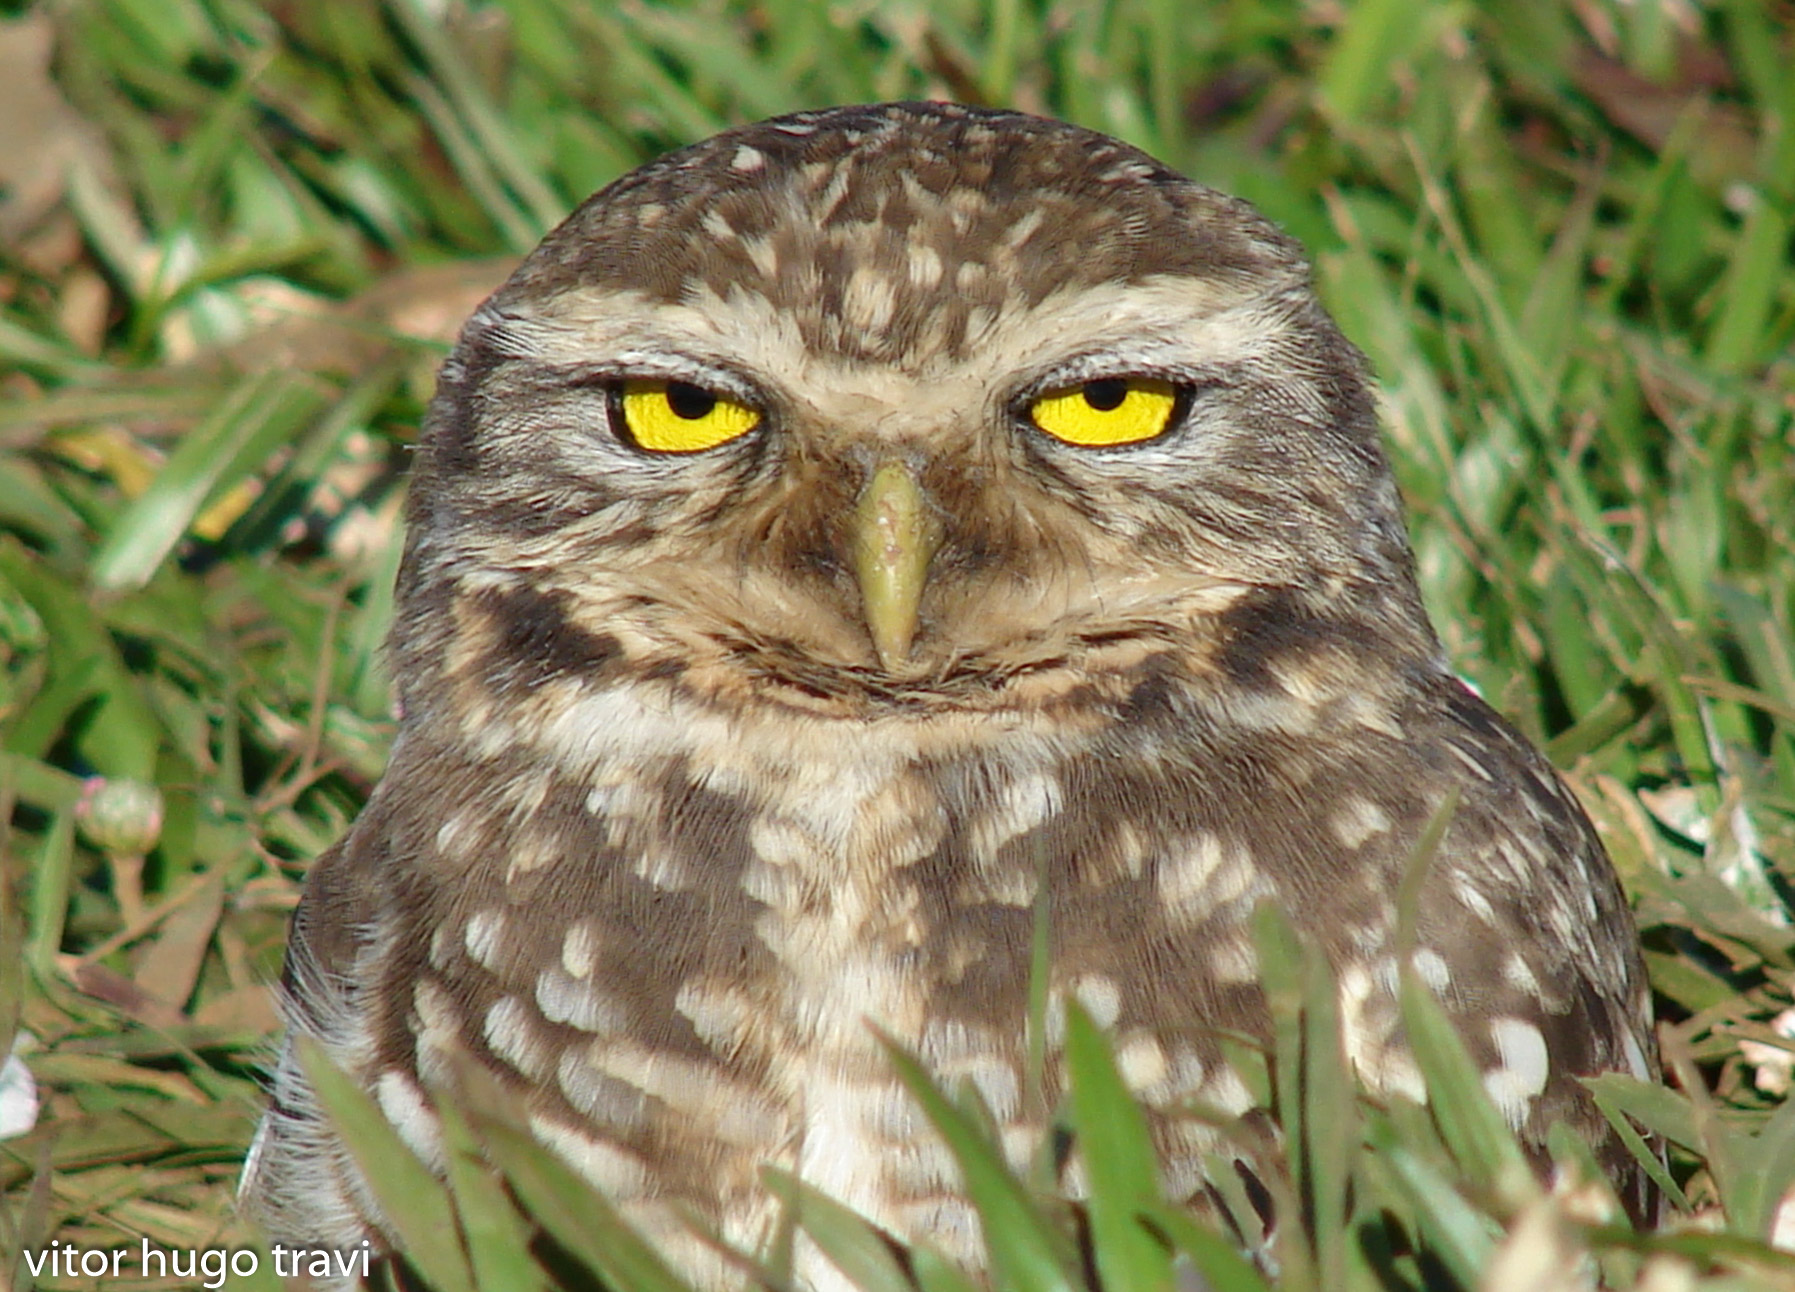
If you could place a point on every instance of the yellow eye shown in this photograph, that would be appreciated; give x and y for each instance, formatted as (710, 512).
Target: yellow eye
(678, 417)
(1114, 410)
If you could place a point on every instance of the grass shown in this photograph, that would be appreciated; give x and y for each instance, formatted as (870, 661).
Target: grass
(242, 235)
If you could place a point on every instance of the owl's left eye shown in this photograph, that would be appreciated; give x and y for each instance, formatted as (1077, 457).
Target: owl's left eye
(678, 417)
(1106, 412)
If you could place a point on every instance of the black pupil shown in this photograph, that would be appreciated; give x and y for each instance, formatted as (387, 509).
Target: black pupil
(1106, 395)
(689, 401)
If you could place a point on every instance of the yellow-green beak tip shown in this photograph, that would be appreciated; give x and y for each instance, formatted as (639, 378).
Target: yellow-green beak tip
(895, 536)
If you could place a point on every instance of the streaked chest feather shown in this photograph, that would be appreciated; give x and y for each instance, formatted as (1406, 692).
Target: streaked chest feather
(674, 918)
(718, 904)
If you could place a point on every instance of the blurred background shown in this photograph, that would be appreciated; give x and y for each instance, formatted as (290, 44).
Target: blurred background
(237, 238)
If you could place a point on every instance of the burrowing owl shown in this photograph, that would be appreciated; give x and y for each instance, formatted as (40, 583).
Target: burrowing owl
(838, 539)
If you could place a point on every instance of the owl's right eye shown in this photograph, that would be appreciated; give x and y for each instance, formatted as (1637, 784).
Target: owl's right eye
(1107, 412)
(678, 417)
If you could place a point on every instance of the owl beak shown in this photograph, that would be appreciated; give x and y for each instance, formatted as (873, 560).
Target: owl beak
(895, 536)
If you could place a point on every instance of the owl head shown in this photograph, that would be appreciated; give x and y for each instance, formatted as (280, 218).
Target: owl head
(901, 405)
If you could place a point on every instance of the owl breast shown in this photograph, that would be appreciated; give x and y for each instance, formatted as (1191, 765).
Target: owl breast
(673, 919)
(721, 902)
(670, 913)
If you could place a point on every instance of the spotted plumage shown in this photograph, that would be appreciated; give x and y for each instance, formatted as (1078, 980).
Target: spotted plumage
(1032, 547)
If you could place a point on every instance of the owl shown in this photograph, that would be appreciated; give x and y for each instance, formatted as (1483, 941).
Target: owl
(839, 542)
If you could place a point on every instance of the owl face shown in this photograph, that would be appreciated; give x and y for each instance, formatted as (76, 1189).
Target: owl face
(876, 407)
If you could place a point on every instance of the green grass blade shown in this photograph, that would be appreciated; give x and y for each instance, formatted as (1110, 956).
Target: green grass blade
(263, 411)
(1216, 1260)
(1025, 1253)
(1748, 292)
(935, 1273)
(497, 1239)
(554, 1195)
(1119, 1160)
(1624, 1100)
(1378, 35)
(1330, 1112)
(1455, 1232)
(858, 1249)
(52, 881)
(1762, 1172)
(1473, 1129)
(1283, 967)
(122, 734)
(413, 1202)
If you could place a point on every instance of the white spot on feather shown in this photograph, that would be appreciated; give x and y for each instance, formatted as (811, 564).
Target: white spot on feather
(509, 1031)
(483, 936)
(1368, 1019)
(868, 300)
(1398, 1074)
(660, 866)
(1129, 850)
(924, 265)
(1024, 229)
(689, 1088)
(439, 1024)
(404, 1106)
(1358, 820)
(455, 835)
(608, 1102)
(1432, 968)
(1228, 1092)
(720, 1016)
(440, 938)
(1186, 875)
(532, 850)
(1142, 1061)
(1205, 877)
(579, 949)
(563, 999)
(610, 1169)
(779, 842)
(1524, 1068)
(1471, 761)
(718, 227)
(1473, 900)
(1517, 973)
(1234, 959)
(764, 254)
(1186, 1076)
(1101, 998)
(1024, 803)
(996, 1083)
(1021, 1141)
